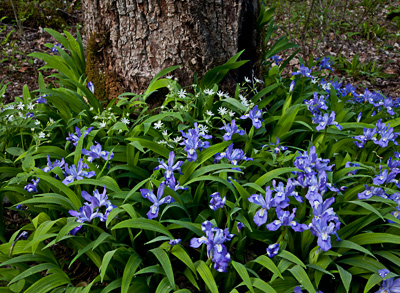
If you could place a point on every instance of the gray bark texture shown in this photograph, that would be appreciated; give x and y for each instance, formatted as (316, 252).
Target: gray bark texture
(130, 41)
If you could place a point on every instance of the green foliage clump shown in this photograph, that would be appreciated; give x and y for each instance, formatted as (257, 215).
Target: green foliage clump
(286, 183)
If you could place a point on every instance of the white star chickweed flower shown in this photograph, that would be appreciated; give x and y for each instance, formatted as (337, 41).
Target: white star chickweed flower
(209, 92)
(258, 80)
(222, 111)
(103, 124)
(177, 139)
(20, 106)
(182, 93)
(125, 121)
(31, 106)
(158, 125)
(231, 113)
(246, 79)
(315, 80)
(165, 133)
(203, 129)
(209, 113)
(42, 134)
(220, 94)
(37, 122)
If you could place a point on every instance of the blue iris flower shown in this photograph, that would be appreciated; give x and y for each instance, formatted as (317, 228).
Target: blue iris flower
(171, 167)
(214, 240)
(231, 129)
(156, 200)
(74, 138)
(266, 203)
(32, 187)
(304, 71)
(50, 166)
(255, 116)
(77, 172)
(285, 218)
(273, 250)
(325, 120)
(96, 152)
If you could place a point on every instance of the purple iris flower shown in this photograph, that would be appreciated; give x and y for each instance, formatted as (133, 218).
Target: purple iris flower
(325, 64)
(278, 148)
(173, 242)
(273, 250)
(193, 142)
(371, 191)
(231, 129)
(316, 104)
(388, 103)
(239, 226)
(325, 120)
(233, 156)
(156, 200)
(368, 134)
(291, 87)
(85, 214)
(304, 71)
(216, 201)
(266, 203)
(50, 166)
(171, 167)
(386, 133)
(42, 100)
(285, 218)
(390, 286)
(383, 273)
(73, 138)
(282, 192)
(214, 240)
(310, 163)
(396, 214)
(350, 164)
(255, 116)
(91, 86)
(276, 59)
(97, 152)
(350, 90)
(321, 229)
(98, 199)
(321, 207)
(77, 172)
(173, 184)
(32, 187)
(392, 164)
(387, 177)
(54, 48)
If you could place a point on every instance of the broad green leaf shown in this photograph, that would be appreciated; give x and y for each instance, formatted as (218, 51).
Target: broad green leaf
(129, 271)
(182, 255)
(291, 257)
(163, 258)
(49, 282)
(345, 276)
(33, 270)
(242, 271)
(373, 280)
(206, 275)
(144, 224)
(104, 264)
(267, 177)
(300, 274)
(268, 264)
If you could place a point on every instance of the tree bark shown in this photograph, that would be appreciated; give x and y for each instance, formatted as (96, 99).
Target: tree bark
(130, 41)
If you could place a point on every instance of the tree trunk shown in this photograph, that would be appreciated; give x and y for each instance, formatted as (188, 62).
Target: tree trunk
(130, 41)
